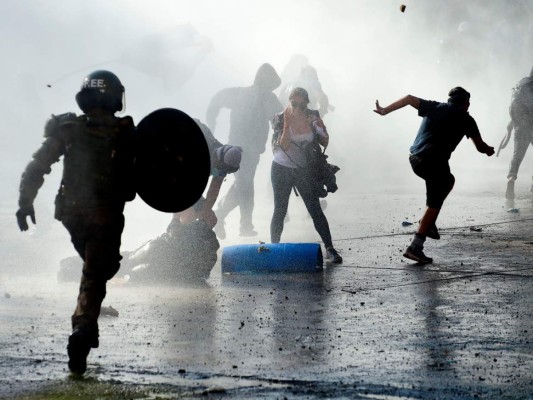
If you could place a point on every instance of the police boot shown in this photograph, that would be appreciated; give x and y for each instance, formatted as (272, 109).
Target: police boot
(80, 343)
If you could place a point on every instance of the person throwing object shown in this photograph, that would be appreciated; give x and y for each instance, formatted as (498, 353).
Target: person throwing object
(443, 127)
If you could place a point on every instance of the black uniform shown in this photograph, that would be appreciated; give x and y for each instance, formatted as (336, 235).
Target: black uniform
(98, 153)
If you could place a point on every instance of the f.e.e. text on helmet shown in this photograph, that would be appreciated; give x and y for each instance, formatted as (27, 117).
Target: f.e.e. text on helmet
(101, 90)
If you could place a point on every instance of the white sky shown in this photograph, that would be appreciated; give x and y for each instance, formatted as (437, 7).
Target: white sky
(363, 50)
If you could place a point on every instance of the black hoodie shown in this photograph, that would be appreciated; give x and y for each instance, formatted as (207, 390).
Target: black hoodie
(252, 108)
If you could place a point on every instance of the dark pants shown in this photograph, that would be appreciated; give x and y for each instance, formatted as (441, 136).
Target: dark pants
(283, 180)
(96, 236)
(439, 180)
(241, 193)
(523, 138)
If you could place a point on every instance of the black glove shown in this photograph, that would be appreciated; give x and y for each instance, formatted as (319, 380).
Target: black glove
(22, 213)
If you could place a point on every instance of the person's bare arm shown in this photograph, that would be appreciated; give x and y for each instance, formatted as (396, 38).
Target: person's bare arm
(285, 139)
(481, 146)
(207, 214)
(213, 191)
(404, 101)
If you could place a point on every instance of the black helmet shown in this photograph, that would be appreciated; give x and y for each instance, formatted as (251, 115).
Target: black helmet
(101, 89)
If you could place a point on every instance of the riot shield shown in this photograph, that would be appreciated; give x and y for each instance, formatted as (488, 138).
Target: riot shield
(172, 165)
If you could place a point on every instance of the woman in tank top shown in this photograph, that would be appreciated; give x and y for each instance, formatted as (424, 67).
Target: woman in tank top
(296, 127)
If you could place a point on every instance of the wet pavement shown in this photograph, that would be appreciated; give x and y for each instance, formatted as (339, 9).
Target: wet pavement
(376, 327)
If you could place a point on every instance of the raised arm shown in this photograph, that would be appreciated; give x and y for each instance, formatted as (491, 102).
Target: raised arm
(213, 191)
(285, 138)
(404, 101)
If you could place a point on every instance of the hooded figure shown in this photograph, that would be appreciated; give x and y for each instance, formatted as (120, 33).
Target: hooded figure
(251, 109)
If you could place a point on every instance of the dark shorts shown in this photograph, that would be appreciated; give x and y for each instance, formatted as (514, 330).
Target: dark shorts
(439, 179)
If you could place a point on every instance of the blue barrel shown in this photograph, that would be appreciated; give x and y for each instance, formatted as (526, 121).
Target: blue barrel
(272, 257)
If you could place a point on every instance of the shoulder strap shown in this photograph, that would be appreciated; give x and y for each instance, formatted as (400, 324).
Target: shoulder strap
(277, 127)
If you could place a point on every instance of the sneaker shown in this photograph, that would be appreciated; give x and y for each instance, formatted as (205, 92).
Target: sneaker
(416, 254)
(247, 232)
(433, 233)
(79, 345)
(333, 256)
(220, 230)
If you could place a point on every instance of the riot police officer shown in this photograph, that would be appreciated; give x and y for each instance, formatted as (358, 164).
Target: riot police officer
(98, 153)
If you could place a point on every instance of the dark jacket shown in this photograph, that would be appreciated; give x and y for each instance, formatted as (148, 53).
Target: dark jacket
(98, 158)
(251, 108)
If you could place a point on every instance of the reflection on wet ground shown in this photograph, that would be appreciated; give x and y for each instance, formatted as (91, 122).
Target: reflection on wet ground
(376, 327)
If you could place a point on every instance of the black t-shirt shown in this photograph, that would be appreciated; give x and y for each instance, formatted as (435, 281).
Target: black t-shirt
(212, 142)
(442, 128)
(217, 168)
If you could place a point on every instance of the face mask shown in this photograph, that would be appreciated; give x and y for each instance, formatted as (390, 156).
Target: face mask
(299, 106)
